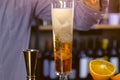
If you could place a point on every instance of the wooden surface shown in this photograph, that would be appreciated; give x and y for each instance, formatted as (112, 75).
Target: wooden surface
(102, 26)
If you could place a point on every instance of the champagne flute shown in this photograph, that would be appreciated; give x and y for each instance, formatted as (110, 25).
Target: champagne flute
(62, 24)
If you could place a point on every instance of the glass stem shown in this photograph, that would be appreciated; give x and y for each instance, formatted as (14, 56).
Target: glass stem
(63, 77)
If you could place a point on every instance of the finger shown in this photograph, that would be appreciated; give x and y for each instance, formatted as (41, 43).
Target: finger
(93, 1)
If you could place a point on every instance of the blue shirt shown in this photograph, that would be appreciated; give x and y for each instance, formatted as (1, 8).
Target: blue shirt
(15, 25)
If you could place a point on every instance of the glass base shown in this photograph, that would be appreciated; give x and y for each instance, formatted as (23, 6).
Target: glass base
(63, 77)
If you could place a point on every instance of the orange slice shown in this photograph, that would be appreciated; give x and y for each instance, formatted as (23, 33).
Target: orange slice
(116, 77)
(101, 69)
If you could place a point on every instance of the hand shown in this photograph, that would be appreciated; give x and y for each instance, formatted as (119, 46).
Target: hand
(94, 4)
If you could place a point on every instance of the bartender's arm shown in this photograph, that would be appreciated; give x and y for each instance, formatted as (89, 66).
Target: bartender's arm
(85, 14)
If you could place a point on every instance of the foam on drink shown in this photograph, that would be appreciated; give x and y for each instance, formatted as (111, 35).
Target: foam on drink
(62, 23)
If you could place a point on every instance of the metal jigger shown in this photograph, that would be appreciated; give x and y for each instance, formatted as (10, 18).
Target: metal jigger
(30, 56)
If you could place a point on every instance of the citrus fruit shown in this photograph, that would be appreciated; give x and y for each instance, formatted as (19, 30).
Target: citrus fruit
(101, 69)
(116, 77)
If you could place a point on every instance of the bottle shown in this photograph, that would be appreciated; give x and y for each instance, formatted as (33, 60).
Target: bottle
(98, 49)
(52, 73)
(105, 49)
(72, 75)
(90, 54)
(114, 55)
(46, 62)
(90, 50)
(83, 62)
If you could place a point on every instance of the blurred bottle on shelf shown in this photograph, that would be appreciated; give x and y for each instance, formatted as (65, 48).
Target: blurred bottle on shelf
(83, 61)
(52, 73)
(90, 53)
(98, 49)
(90, 49)
(46, 23)
(105, 49)
(46, 61)
(73, 74)
(114, 55)
(114, 19)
